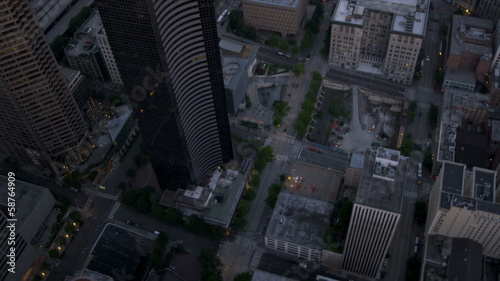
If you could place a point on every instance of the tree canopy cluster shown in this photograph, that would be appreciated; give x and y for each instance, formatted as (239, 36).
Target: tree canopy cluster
(281, 109)
(265, 155)
(273, 193)
(158, 254)
(211, 264)
(309, 105)
(312, 27)
(142, 199)
(237, 26)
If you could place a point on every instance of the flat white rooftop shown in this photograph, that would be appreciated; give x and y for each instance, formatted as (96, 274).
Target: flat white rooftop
(284, 3)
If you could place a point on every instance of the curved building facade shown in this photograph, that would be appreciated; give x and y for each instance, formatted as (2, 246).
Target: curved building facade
(40, 118)
(168, 55)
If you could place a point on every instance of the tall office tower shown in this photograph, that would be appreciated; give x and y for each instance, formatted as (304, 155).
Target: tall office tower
(488, 9)
(465, 204)
(168, 57)
(40, 121)
(381, 38)
(376, 212)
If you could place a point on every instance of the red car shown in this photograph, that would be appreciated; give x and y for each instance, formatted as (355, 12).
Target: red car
(297, 86)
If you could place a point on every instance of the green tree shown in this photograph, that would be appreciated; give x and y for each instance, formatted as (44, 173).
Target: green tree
(62, 241)
(282, 178)
(284, 45)
(75, 216)
(298, 69)
(249, 32)
(58, 44)
(243, 277)
(272, 41)
(143, 204)
(158, 211)
(236, 22)
(307, 41)
(431, 6)
(427, 163)
(439, 76)
(433, 113)
(265, 155)
(243, 208)
(37, 278)
(326, 42)
(239, 224)
(130, 173)
(46, 265)
(98, 95)
(70, 228)
(295, 50)
(273, 193)
(254, 181)
(345, 211)
(247, 101)
(412, 110)
(413, 265)
(122, 185)
(54, 254)
(420, 212)
(72, 179)
(443, 29)
(250, 194)
(407, 146)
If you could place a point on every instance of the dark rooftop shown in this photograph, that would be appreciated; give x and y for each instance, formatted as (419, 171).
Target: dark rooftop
(465, 260)
(120, 254)
(484, 185)
(471, 148)
(453, 178)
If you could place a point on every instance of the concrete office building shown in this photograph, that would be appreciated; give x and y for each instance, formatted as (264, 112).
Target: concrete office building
(33, 206)
(78, 86)
(465, 204)
(459, 79)
(284, 16)
(382, 38)
(354, 171)
(376, 212)
(470, 46)
(169, 60)
(297, 226)
(486, 9)
(40, 118)
(107, 55)
(83, 52)
(495, 64)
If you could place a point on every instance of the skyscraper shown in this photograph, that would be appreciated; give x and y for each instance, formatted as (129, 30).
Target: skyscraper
(168, 56)
(40, 121)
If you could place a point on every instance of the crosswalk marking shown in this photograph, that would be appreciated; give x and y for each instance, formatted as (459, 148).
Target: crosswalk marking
(412, 175)
(285, 138)
(411, 194)
(241, 269)
(87, 204)
(254, 263)
(245, 242)
(114, 210)
(107, 196)
(281, 157)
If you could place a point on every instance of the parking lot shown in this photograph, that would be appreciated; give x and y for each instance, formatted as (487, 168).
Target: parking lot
(313, 181)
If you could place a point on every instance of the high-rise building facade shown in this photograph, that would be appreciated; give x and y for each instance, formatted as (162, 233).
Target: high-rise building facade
(40, 119)
(380, 38)
(376, 212)
(168, 57)
(465, 204)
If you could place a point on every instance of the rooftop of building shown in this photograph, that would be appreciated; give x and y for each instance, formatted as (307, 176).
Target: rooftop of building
(33, 204)
(453, 176)
(69, 74)
(89, 275)
(116, 124)
(83, 43)
(409, 15)
(234, 66)
(472, 147)
(282, 3)
(299, 220)
(227, 190)
(448, 258)
(484, 184)
(460, 75)
(381, 193)
(471, 35)
(357, 161)
(457, 132)
(120, 251)
(386, 163)
(465, 261)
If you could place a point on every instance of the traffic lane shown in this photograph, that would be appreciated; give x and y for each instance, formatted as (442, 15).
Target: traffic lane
(151, 224)
(333, 161)
(383, 86)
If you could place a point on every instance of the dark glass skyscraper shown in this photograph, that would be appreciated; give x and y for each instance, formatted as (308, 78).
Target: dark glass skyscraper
(168, 55)
(40, 122)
